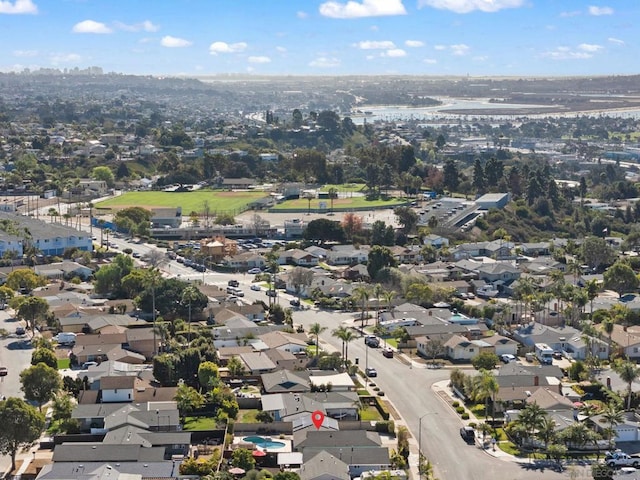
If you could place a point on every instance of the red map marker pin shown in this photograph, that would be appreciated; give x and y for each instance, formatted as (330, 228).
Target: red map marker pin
(317, 418)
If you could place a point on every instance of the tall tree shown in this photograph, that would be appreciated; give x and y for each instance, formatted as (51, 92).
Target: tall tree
(315, 330)
(21, 426)
(629, 372)
(620, 278)
(40, 383)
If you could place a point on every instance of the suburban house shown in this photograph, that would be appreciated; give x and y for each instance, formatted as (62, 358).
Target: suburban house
(286, 381)
(285, 407)
(347, 255)
(244, 261)
(502, 345)
(298, 257)
(63, 270)
(460, 348)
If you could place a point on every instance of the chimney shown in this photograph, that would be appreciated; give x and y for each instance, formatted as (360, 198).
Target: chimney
(536, 381)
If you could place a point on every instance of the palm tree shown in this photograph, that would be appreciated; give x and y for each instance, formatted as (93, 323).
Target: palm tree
(361, 294)
(607, 326)
(378, 291)
(547, 432)
(485, 387)
(629, 373)
(189, 294)
(345, 335)
(152, 280)
(613, 416)
(316, 329)
(578, 435)
(333, 194)
(592, 288)
(531, 418)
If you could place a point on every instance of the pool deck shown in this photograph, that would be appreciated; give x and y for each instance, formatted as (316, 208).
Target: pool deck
(288, 444)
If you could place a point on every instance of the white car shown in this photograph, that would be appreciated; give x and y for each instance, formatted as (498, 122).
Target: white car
(254, 271)
(256, 287)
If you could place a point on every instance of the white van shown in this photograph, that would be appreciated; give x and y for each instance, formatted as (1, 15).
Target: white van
(235, 291)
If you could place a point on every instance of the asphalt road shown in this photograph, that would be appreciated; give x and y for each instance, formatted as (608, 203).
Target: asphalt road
(15, 354)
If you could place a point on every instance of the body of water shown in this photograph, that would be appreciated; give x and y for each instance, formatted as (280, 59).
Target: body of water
(449, 107)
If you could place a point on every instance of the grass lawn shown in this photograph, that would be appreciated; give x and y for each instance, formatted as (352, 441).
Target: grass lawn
(354, 202)
(248, 416)
(200, 423)
(64, 363)
(189, 201)
(478, 410)
(392, 342)
(370, 414)
(510, 448)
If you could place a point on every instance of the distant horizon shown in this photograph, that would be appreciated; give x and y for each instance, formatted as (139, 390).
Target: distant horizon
(198, 76)
(441, 38)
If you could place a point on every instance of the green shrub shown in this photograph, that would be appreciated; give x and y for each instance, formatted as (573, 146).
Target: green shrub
(456, 404)
(460, 410)
(376, 389)
(387, 426)
(473, 425)
(465, 416)
(381, 394)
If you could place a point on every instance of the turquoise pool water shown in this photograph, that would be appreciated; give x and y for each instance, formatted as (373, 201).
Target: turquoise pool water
(263, 442)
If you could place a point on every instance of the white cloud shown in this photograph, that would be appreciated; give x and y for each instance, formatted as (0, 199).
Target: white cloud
(259, 59)
(480, 58)
(18, 7)
(395, 53)
(414, 43)
(281, 49)
(374, 45)
(566, 53)
(302, 15)
(430, 61)
(362, 9)
(90, 26)
(374, 28)
(439, 47)
(144, 26)
(466, 6)
(325, 62)
(588, 47)
(573, 13)
(224, 47)
(598, 11)
(459, 49)
(174, 42)
(58, 58)
(617, 41)
(25, 53)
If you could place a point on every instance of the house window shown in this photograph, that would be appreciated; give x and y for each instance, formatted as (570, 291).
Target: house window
(472, 350)
(635, 349)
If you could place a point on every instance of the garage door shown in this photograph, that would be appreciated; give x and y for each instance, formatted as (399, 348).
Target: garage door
(626, 434)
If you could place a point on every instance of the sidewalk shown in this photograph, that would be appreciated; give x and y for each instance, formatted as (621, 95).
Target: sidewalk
(446, 395)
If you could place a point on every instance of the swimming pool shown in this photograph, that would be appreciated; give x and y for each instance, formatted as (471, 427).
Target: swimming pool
(263, 442)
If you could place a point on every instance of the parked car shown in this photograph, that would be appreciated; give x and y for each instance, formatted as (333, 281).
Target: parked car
(233, 283)
(20, 331)
(294, 303)
(371, 372)
(387, 352)
(271, 293)
(372, 341)
(254, 271)
(4, 371)
(557, 354)
(507, 358)
(468, 434)
(255, 287)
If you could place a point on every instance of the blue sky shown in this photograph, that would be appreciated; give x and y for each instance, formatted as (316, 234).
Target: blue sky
(319, 37)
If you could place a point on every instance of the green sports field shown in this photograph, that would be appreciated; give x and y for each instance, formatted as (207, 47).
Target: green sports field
(189, 201)
(339, 203)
